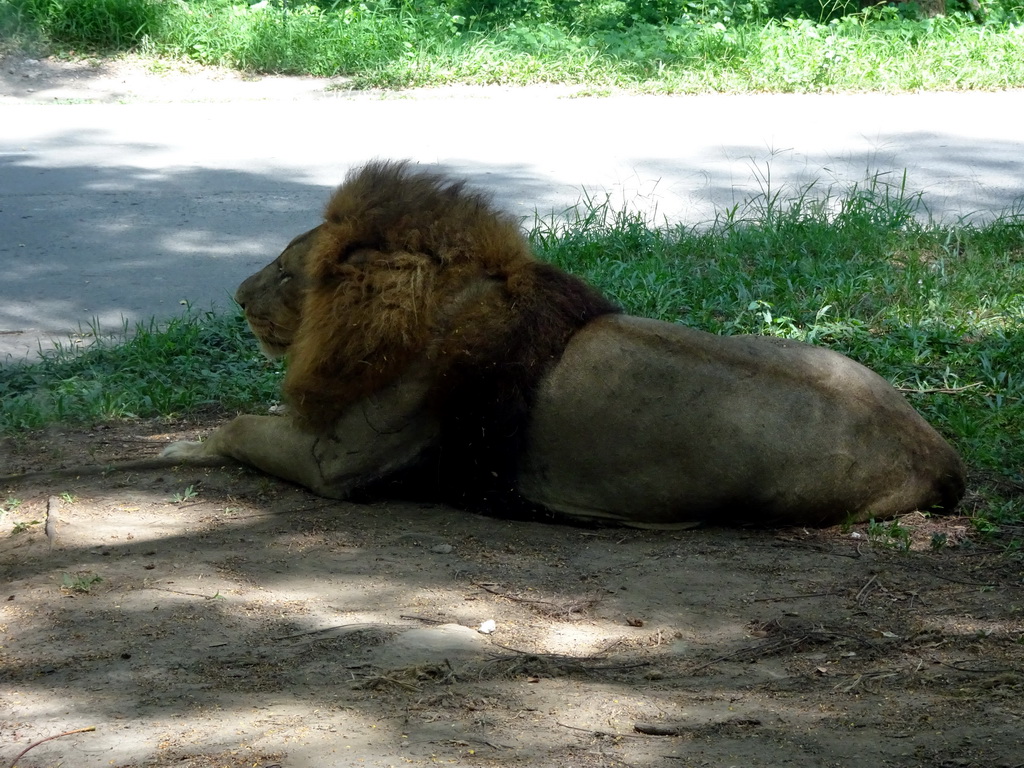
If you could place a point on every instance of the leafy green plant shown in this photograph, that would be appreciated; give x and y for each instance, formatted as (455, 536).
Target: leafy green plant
(22, 526)
(186, 495)
(79, 583)
(890, 534)
(102, 25)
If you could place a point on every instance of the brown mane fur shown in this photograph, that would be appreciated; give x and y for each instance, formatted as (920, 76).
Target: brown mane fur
(410, 268)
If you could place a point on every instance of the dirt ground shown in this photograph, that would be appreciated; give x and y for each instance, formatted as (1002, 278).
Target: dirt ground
(216, 618)
(131, 79)
(48, 80)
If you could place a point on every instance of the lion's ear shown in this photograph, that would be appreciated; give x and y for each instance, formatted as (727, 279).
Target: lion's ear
(362, 325)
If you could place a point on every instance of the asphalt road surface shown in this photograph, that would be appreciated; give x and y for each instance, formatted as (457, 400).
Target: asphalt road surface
(125, 195)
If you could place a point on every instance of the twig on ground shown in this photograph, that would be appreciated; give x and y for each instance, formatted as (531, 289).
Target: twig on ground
(322, 630)
(573, 663)
(568, 608)
(761, 649)
(833, 633)
(182, 592)
(373, 682)
(961, 581)
(776, 646)
(514, 598)
(863, 680)
(958, 668)
(829, 549)
(790, 597)
(865, 588)
(52, 518)
(656, 729)
(23, 752)
(596, 732)
(653, 729)
(939, 390)
(469, 742)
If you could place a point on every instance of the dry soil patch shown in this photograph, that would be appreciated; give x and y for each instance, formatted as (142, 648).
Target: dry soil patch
(217, 618)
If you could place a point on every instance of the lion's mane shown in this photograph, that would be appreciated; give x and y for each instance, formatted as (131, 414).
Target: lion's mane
(413, 271)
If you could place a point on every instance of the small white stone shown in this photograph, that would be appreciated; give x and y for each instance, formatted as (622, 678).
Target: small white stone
(487, 627)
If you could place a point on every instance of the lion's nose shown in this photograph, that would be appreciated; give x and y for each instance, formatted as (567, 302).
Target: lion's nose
(249, 287)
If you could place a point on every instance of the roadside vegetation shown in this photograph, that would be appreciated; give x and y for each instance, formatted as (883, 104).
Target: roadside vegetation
(935, 308)
(670, 46)
(199, 362)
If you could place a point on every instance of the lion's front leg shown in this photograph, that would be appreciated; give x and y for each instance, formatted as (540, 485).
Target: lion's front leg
(272, 444)
(372, 439)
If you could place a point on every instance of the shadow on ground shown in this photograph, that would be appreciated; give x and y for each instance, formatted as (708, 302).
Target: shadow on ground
(215, 617)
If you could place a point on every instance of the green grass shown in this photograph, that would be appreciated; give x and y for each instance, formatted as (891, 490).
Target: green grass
(79, 583)
(197, 362)
(666, 46)
(935, 308)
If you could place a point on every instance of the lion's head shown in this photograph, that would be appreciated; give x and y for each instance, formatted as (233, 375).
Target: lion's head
(411, 267)
(273, 297)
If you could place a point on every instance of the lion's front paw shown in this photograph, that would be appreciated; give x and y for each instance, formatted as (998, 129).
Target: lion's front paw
(185, 449)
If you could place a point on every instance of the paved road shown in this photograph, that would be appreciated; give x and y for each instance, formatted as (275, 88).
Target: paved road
(126, 210)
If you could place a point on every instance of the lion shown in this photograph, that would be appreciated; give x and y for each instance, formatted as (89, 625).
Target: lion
(429, 351)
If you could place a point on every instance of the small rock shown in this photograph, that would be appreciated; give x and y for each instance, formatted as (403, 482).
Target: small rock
(487, 627)
(442, 549)
(430, 645)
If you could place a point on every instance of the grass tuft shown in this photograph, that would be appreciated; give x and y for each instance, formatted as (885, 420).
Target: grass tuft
(197, 362)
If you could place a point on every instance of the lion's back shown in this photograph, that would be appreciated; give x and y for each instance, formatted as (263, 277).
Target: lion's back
(644, 421)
